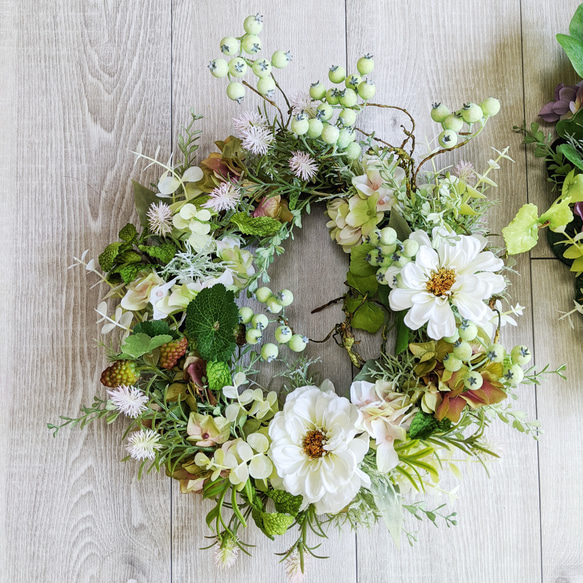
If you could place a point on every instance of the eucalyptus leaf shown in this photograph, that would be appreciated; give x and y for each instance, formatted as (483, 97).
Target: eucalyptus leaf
(572, 154)
(143, 198)
(389, 504)
(574, 49)
(576, 24)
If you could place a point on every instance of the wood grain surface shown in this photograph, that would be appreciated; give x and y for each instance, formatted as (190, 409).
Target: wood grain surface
(84, 83)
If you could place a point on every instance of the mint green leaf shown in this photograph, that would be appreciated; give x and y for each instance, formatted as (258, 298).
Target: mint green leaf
(129, 271)
(389, 504)
(573, 187)
(137, 345)
(522, 233)
(368, 284)
(285, 502)
(218, 374)
(109, 255)
(164, 252)
(259, 226)
(558, 215)
(128, 233)
(572, 154)
(368, 316)
(397, 222)
(422, 425)
(576, 24)
(128, 257)
(211, 318)
(574, 49)
(143, 198)
(359, 266)
(275, 523)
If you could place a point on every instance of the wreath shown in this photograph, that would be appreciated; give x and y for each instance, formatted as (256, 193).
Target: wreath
(422, 271)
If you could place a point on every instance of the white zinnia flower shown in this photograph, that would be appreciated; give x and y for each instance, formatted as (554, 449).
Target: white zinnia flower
(315, 448)
(455, 273)
(128, 400)
(143, 444)
(160, 219)
(223, 197)
(303, 165)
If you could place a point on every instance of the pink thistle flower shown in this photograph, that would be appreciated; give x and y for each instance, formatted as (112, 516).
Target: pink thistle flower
(465, 171)
(128, 400)
(257, 140)
(248, 120)
(160, 219)
(223, 197)
(303, 166)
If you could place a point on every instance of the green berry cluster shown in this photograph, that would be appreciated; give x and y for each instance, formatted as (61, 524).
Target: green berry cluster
(389, 252)
(257, 323)
(453, 122)
(243, 55)
(338, 132)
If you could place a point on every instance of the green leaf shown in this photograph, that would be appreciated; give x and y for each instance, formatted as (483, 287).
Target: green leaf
(574, 49)
(573, 187)
(164, 252)
(129, 271)
(109, 255)
(402, 340)
(558, 215)
(218, 374)
(259, 226)
(366, 372)
(368, 284)
(128, 257)
(422, 425)
(285, 502)
(576, 24)
(137, 345)
(155, 328)
(389, 504)
(368, 316)
(397, 222)
(359, 266)
(522, 233)
(572, 154)
(276, 523)
(128, 233)
(211, 318)
(143, 198)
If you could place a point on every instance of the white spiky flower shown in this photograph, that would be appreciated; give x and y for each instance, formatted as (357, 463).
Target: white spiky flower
(160, 219)
(293, 567)
(223, 197)
(465, 171)
(302, 102)
(226, 552)
(303, 165)
(128, 400)
(257, 140)
(143, 444)
(248, 120)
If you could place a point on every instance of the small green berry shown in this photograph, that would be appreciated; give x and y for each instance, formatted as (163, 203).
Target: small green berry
(315, 127)
(388, 236)
(236, 91)
(447, 139)
(373, 257)
(263, 294)
(452, 363)
(462, 350)
(274, 306)
(269, 352)
(245, 314)
(283, 334)
(262, 67)
(266, 86)
(219, 68)
(520, 355)
(453, 338)
(439, 112)
(366, 89)
(260, 321)
(344, 138)
(251, 44)
(467, 330)
(337, 74)
(471, 113)
(230, 46)
(297, 343)
(410, 248)
(365, 64)
(253, 336)
(281, 59)
(333, 96)
(514, 374)
(285, 297)
(490, 106)
(300, 124)
(453, 122)
(253, 24)
(330, 134)
(353, 152)
(352, 81)
(237, 67)
(473, 380)
(317, 90)
(324, 112)
(348, 97)
(347, 117)
(373, 237)
(496, 353)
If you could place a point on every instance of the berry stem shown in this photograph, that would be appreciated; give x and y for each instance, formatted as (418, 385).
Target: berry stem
(263, 97)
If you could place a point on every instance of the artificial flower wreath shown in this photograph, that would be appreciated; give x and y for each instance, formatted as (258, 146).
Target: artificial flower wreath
(422, 268)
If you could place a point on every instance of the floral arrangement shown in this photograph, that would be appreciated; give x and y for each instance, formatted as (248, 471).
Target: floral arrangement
(563, 156)
(422, 271)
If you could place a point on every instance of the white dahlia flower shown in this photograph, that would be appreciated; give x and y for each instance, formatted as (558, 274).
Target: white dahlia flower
(456, 273)
(316, 450)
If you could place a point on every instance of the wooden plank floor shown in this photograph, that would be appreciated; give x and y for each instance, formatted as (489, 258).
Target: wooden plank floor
(83, 83)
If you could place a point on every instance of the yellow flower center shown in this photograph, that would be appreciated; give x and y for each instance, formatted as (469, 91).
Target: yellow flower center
(314, 444)
(441, 281)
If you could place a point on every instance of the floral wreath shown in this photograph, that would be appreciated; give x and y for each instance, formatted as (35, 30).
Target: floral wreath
(421, 268)
(563, 156)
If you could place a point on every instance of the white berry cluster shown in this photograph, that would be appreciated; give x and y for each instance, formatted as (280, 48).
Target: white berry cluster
(257, 323)
(453, 122)
(319, 123)
(243, 52)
